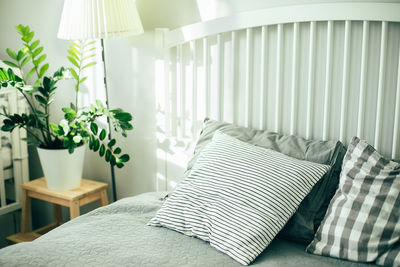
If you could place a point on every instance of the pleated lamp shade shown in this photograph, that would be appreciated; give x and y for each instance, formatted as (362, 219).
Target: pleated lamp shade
(94, 19)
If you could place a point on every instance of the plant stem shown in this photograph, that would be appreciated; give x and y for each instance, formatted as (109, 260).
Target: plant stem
(48, 138)
(82, 45)
(36, 117)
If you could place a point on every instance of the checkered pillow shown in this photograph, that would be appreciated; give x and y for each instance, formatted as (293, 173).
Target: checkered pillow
(362, 222)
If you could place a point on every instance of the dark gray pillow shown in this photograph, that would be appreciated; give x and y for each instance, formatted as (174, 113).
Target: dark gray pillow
(304, 223)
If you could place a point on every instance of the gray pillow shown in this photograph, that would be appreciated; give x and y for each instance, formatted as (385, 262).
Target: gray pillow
(304, 223)
(362, 223)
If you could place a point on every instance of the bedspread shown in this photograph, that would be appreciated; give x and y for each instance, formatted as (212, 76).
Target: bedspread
(117, 235)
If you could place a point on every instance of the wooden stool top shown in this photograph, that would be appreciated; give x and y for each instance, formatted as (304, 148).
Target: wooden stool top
(87, 187)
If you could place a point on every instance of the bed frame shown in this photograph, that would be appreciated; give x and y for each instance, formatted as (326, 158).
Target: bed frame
(320, 71)
(14, 153)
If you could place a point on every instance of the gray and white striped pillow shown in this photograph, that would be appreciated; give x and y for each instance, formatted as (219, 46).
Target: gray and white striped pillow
(238, 196)
(362, 222)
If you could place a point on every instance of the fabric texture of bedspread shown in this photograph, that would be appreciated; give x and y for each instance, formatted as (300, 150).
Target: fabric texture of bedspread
(117, 235)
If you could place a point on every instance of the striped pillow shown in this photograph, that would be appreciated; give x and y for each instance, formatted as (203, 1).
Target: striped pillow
(238, 196)
(362, 221)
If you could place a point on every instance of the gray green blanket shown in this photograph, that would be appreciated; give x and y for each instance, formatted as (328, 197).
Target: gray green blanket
(117, 235)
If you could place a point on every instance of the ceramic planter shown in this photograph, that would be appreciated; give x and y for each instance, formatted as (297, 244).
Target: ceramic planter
(62, 170)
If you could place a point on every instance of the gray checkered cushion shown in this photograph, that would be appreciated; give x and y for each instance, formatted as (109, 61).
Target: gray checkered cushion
(362, 222)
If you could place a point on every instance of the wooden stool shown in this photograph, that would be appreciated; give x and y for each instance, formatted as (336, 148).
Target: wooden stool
(89, 191)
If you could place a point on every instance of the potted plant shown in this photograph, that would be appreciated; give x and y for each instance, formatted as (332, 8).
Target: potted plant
(60, 146)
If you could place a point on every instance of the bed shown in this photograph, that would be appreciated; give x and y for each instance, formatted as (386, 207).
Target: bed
(319, 71)
(118, 235)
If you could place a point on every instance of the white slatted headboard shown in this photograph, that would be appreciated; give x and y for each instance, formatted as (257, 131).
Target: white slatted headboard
(321, 71)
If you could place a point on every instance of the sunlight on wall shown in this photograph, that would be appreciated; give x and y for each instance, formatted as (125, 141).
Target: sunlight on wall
(207, 9)
(93, 88)
(172, 153)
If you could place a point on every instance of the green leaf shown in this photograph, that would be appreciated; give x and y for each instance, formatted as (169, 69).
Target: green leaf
(71, 149)
(72, 54)
(37, 52)
(32, 71)
(124, 158)
(3, 75)
(9, 63)
(99, 104)
(102, 150)
(11, 53)
(34, 44)
(111, 143)
(108, 155)
(53, 127)
(125, 126)
(113, 160)
(117, 151)
(27, 36)
(7, 127)
(41, 99)
(16, 118)
(43, 70)
(103, 134)
(20, 55)
(120, 165)
(74, 51)
(91, 42)
(94, 128)
(96, 145)
(25, 60)
(11, 74)
(20, 29)
(91, 142)
(74, 74)
(89, 65)
(92, 55)
(73, 61)
(43, 92)
(37, 83)
(123, 116)
(69, 111)
(41, 59)
(75, 44)
(83, 79)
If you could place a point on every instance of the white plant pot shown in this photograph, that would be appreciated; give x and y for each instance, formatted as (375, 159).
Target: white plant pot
(62, 170)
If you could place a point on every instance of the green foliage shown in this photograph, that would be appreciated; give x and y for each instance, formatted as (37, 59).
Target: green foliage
(78, 126)
(80, 55)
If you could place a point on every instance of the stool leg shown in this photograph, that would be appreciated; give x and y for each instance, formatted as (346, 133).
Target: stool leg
(26, 211)
(74, 209)
(103, 198)
(57, 214)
